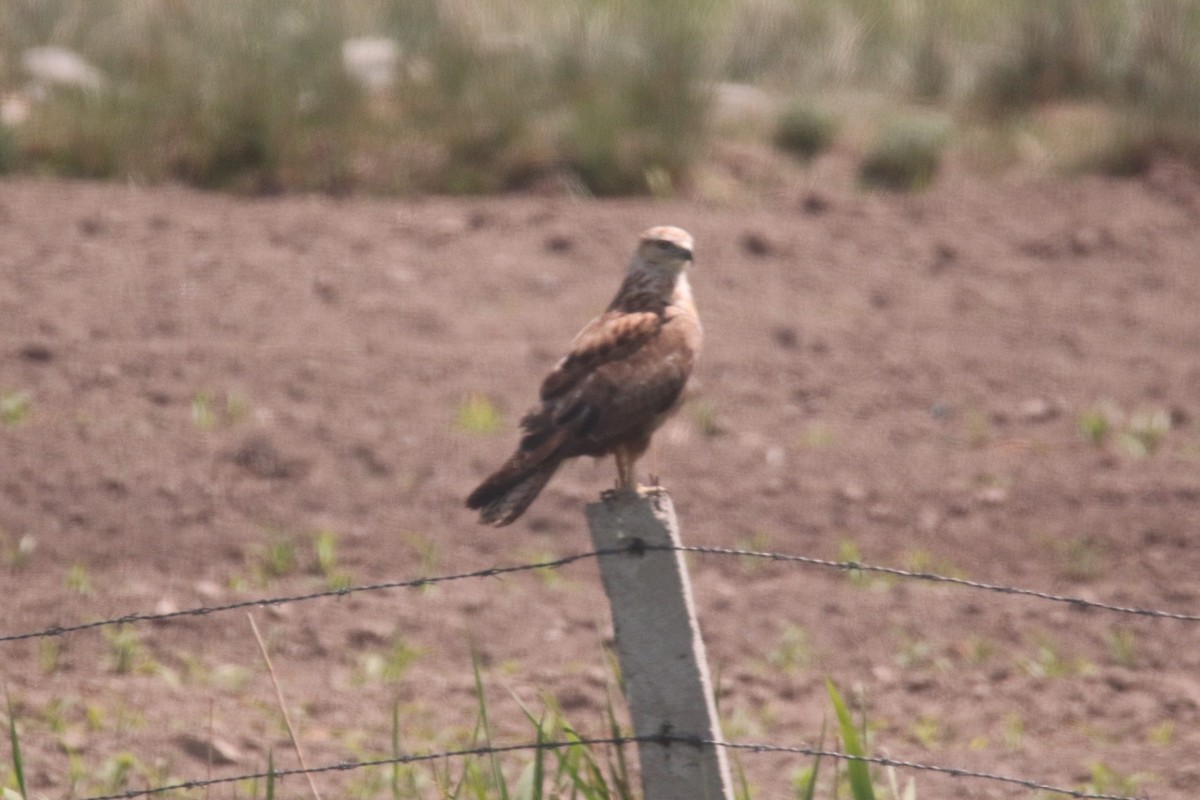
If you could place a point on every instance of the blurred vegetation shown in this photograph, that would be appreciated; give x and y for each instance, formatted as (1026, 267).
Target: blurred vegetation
(599, 96)
(805, 130)
(906, 154)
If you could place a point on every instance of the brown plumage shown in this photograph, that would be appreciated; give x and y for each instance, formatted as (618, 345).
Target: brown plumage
(623, 376)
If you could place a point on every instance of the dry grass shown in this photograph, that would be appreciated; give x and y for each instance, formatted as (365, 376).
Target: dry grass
(607, 98)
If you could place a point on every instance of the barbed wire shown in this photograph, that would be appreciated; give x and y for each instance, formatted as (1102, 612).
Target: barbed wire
(414, 583)
(617, 741)
(634, 546)
(932, 577)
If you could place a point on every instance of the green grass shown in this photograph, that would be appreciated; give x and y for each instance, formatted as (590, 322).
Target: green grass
(325, 560)
(125, 653)
(576, 770)
(78, 581)
(906, 154)
(388, 667)
(18, 762)
(859, 772)
(211, 411)
(477, 415)
(793, 651)
(1096, 423)
(14, 407)
(805, 130)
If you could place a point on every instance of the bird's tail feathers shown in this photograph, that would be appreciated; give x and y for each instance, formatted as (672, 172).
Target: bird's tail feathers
(505, 495)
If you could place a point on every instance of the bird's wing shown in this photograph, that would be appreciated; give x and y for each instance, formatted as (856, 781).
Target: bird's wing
(625, 371)
(612, 336)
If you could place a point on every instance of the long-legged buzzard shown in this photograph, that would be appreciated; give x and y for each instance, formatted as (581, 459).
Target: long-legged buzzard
(623, 376)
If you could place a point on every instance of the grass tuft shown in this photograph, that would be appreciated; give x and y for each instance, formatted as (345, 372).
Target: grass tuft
(805, 130)
(907, 154)
(477, 415)
(861, 787)
(605, 98)
(14, 407)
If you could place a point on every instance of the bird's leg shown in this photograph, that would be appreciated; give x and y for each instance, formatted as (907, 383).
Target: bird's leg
(625, 478)
(653, 476)
(625, 481)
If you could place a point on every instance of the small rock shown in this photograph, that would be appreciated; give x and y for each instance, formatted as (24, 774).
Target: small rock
(91, 226)
(1120, 680)
(919, 683)
(884, 674)
(944, 256)
(366, 455)
(559, 243)
(58, 66)
(37, 352)
(1179, 417)
(957, 508)
(325, 289)
(785, 336)
(546, 283)
(1038, 410)
(370, 632)
(216, 751)
(209, 590)
(73, 740)
(880, 512)
(166, 605)
(260, 457)
(371, 61)
(775, 456)
(992, 495)
(756, 244)
(853, 493)
(814, 204)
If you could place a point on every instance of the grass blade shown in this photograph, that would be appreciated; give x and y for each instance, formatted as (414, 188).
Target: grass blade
(395, 777)
(859, 771)
(807, 788)
(497, 773)
(18, 762)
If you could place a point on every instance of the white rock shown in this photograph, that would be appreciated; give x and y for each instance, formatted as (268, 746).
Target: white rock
(58, 66)
(738, 101)
(14, 110)
(371, 61)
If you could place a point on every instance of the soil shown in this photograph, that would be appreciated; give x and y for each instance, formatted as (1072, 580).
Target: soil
(996, 379)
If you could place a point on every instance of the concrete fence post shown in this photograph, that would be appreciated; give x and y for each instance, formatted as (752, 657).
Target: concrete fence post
(663, 665)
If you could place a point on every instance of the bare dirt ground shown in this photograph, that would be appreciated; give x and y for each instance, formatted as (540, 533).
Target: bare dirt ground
(196, 386)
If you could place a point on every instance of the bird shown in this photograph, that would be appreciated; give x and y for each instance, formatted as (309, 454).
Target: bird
(622, 377)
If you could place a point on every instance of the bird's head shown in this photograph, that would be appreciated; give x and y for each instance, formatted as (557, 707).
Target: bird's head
(665, 247)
